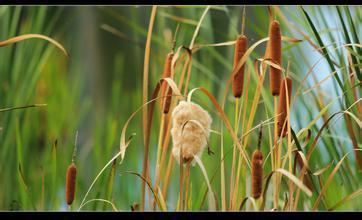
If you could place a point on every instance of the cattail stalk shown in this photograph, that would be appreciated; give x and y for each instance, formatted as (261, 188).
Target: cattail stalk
(286, 86)
(165, 88)
(257, 170)
(71, 176)
(237, 88)
(238, 78)
(257, 174)
(275, 54)
(70, 183)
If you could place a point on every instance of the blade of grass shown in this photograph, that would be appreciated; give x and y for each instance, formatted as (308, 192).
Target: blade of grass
(328, 182)
(321, 44)
(31, 36)
(22, 107)
(358, 72)
(346, 199)
(100, 200)
(212, 202)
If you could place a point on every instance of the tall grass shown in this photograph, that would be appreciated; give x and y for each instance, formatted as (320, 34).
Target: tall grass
(116, 62)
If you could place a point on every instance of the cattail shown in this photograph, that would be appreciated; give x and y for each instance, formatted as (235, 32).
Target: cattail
(238, 78)
(70, 183)
(167, 73)
(190, 130)
(275, 54)
(257, 174)
(71, 176)
(282, 108)
(257, 170)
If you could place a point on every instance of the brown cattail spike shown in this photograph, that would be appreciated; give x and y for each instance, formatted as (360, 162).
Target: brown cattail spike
(285, 86)
(275, 53)
(165, 88)
(70, 183)
(71, 175)
(257, 174)
(238, 78)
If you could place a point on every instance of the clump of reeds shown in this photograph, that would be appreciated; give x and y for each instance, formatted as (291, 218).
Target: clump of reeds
(238, 78)
(257, 170)
(286, 86)
(71, 176)
(165, 88)
(190, 130)
(275, 54)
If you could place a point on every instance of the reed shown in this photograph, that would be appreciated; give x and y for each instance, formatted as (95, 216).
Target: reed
(282, 174)
(165, 88)
(285, 88)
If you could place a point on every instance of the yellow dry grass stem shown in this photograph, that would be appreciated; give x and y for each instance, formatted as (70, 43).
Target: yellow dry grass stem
(289, 136)
(276, 156)
(145, 98)
(222, 173)
(33, 36)
(187, 184)
(232, 175)
(180, 205)
(159, 152)
(243, 106)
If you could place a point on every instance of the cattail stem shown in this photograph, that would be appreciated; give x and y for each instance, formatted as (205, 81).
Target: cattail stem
(260, 135)
(241, 169)
(243, 21)
(275, 53)
(167, 177)
(289, 142)
(75, 147)
(284, 103)
(237, 88)
(276, 157)
(165, 88)
(232, 176)
(159, 152)
(181, 182)
(187, 184)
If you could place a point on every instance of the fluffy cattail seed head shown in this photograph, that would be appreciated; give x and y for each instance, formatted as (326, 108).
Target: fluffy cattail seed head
(189, 137)
(165, 88)
(238, 78)
(282, 108)
(275, 54)
(70, 183)
(256, 174)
